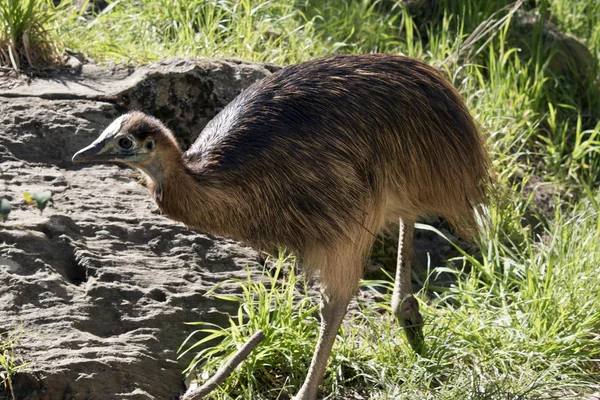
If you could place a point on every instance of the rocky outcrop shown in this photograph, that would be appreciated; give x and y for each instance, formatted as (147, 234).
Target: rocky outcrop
(100, 286)
(47, 120)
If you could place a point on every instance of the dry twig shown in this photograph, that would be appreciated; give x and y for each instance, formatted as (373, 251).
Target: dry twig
(226, 369)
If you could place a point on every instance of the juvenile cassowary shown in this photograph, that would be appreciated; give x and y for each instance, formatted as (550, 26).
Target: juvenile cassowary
(317, 158)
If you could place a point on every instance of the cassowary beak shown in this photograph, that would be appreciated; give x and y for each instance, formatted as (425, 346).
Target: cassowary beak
(92, 153)
(104, 149)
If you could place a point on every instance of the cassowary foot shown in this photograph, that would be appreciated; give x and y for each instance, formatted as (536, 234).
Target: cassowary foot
(412, 322)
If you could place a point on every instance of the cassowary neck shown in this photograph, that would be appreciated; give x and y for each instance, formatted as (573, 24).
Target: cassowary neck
(183, 197)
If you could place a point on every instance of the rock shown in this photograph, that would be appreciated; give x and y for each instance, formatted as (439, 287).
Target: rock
(417, 8)
(50, 131)
(183, 93)
(186, 95)
(539, 198)
(74, 64)
(570, 57)
(100, 285)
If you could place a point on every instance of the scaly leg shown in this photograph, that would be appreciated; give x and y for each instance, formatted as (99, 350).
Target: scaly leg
(340, 268)
(332, 314)
(404, 305)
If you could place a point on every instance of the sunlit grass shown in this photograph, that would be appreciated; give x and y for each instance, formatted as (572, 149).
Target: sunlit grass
(10, 364)
(285, 315)
(25, 39)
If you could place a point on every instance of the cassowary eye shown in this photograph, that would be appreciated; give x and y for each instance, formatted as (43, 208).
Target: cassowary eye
(125, 143)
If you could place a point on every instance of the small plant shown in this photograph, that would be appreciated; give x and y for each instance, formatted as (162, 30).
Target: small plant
(24, 34)
(5, 209)
(9, 365)
(40, 200)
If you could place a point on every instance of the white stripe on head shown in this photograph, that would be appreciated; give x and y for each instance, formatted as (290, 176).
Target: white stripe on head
(112, 130)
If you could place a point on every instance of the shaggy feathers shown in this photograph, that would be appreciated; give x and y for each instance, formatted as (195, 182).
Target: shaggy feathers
(300, 154)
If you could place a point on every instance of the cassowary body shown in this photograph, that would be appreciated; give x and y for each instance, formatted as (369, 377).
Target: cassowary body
(317, 158)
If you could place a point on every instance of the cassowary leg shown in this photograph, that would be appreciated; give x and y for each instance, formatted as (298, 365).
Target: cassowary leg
(404, 305)
(332, 314)
(340, 269)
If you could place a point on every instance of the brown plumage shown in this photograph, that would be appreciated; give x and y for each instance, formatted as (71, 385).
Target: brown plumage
(317, 158)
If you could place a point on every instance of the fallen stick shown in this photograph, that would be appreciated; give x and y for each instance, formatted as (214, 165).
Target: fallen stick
(226, 369)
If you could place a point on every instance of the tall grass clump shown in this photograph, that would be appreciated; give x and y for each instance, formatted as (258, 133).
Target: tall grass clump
(10, 365)
(280, 307)
(25, 36)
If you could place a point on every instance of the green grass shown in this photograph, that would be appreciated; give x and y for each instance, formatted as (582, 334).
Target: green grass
(9, 363)
(519, 324)
(286, 315)
(25, 38)
(523, 321)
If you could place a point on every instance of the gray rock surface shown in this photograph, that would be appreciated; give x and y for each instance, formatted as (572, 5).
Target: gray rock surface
(72, 109)
(100, 285)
